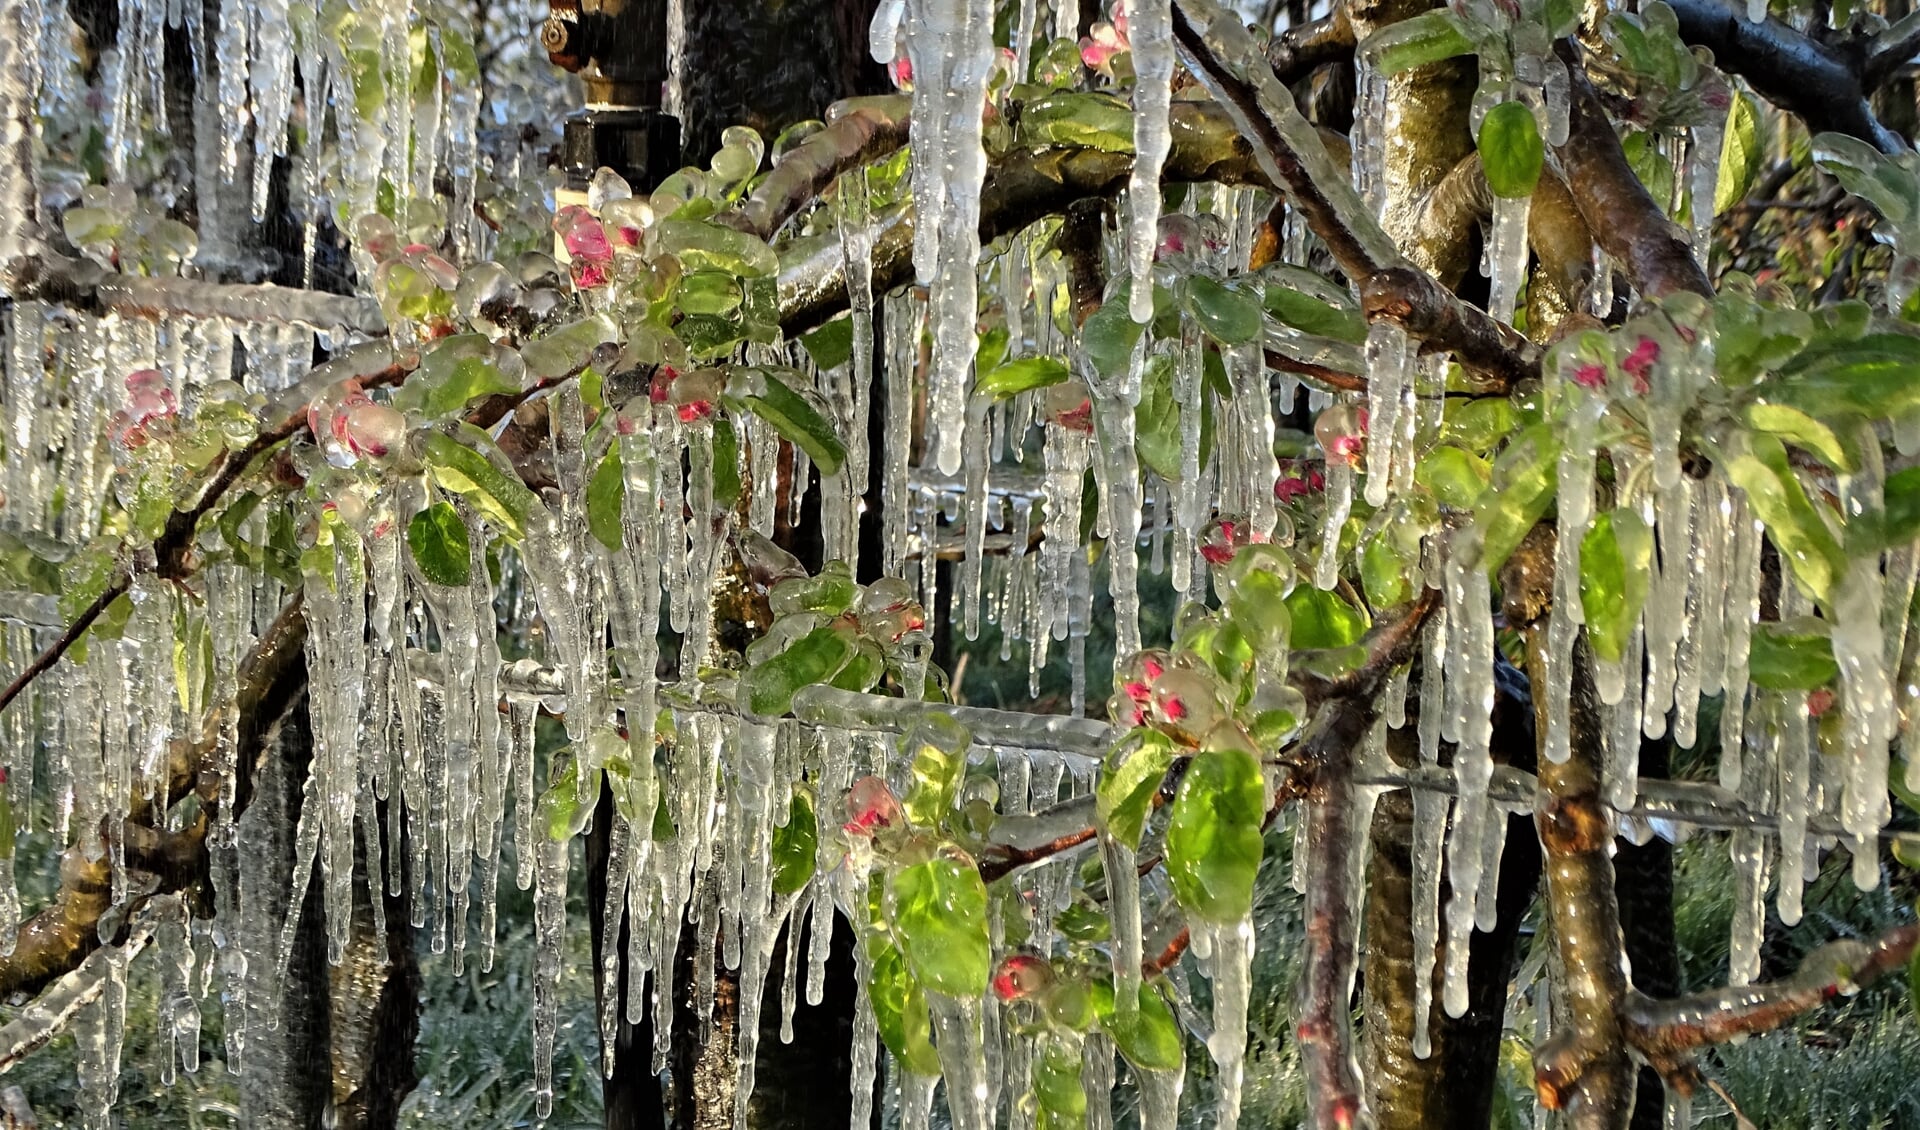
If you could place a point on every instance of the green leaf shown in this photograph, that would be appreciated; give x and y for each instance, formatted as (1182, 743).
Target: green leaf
(813, 658)
(1225, 315)
(1902, 516)
(1797, 528)
(794, 845)
(1087, 121)
(1308, 314)
(1418, 41)
(1871, 175)
(940, 917)
(1616, 560)
(1213, 835)
(1511, 152)
(501, 498)
(1739, 155)
(441, 545)
(1123, 798)
(1876, 376)
(763, 393)
(1020, 376)
(709, 292)
(704, 246)
(1796, 427)
(900, 1008)
(1108, 336)
(1650, 165)
(1523, 487)
(1456, 477)
(830, 346)
(459, 371)
(939, 746)
(1478, 425)
(1384, 573)
(1057, 1089)
(1792, 655)
(604, 494)
(1323, 619)
(1149, 1036)
(560, 810)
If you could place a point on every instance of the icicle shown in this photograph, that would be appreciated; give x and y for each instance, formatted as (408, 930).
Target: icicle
(1665, 615)
(951, 45)
(1575, 506)
(550, 924)
(1150, 33)
(1468, 592)
(19, 232)
(1786, 729)
(1487, 907)
(1388, 369)
(1229, 964)
(1429, 834)
(1326, 570)
(1507, 255)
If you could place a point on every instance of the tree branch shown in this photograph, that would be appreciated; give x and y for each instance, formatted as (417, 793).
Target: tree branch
(1825, 86)
(864, 130)
(1890, 50)
(1667, 1031)
(1304, 48)
(84, 286)
(1583, 1068)
(1619, 211)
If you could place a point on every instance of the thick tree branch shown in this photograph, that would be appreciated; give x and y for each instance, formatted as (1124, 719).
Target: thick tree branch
(1890, 50)
(1304, 48)
(1583, 1069)
(1620, 213)
(1824, 85)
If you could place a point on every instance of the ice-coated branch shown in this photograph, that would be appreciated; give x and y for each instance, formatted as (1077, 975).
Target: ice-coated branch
(1825, 85)
(1621, 214)
(1304, 48)
(859, 130)
(1583, 1068)
(1024, 186)
(49, 1014)
(1666, 1032)
(1389, 644)
(85, 286)
(1325, 1026)
(1889, 51)
(51, 654)
(1295, 158)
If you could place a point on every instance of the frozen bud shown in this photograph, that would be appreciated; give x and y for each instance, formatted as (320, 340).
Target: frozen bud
(695, 396)
(373, 431)
(739, 157)
(377, 236)
(1222, 539)
(1180, 236)
(626, 222)
(1639, 363)
(1020, 976)
(871, 807)
(1185, 704)
(1342, 432)
(900, 71)
(1068, 405)
(1133, 687)
(606, 187)
(1104, 43)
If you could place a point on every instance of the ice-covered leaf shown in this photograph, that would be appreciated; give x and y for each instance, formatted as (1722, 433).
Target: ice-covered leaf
(1793, 426)
(1020, 376)
(1792, 655)
(1417, 41)
(1149, 1036)
(1797, 528)
(1511, 151)
(900, 1008)
(1739, 154)
(1455, 476)
(795, 417)
(1873, 176)
(938, 746)
(1616, 560)
(1224, 314)
(1385, 572)
(813, 658)
(1213, 835)
(441, 545)
(794, 845)
(1309, 314)
(459, 467)
(1876, 376)
(1902, 513)
(1108, 336)
(1057, 1089)
(940, 916)
(1322, 618)
(457, 372)
(1523, 487)
(704, 246)
(830, 346)
(1089, 121)
(604, 493)
(1124, 795)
